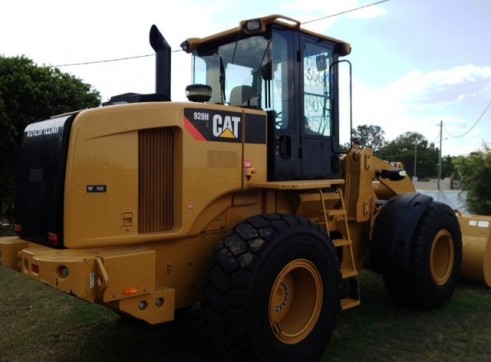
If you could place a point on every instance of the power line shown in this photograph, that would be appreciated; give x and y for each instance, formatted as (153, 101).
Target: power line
(108, 60)
(102, 61)
(345, 12)
(474, 125)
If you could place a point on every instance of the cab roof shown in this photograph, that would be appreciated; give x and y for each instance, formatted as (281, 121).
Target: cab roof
(258, 26)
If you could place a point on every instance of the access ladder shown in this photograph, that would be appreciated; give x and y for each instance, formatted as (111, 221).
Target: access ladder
(333, 217)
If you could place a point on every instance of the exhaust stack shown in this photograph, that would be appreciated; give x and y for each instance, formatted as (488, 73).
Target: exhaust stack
(162, 74)
(162, 62)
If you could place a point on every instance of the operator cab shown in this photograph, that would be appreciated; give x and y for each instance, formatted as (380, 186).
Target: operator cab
(272, 64)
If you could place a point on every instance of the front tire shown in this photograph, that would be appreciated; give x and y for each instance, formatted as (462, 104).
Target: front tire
(434, 261)
(272, 290)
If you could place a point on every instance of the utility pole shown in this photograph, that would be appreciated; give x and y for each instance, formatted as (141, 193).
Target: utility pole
(440, 158)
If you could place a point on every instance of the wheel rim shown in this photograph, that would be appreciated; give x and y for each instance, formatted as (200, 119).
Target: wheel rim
(442, 257)
(295, 302)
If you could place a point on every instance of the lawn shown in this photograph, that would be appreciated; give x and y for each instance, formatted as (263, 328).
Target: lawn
(40, 324)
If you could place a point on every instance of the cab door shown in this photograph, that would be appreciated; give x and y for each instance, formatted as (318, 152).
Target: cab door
(302, 120)
(317, 131)
(284, 158)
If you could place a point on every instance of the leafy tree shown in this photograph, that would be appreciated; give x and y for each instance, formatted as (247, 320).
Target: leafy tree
(475, 175)
(370, 136)
(448, 168)
(410, 148)
(29, 93)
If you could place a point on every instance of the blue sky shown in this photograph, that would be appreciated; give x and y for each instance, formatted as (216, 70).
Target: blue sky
(415, 63)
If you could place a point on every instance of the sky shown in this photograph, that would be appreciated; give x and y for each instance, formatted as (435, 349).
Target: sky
(417, 65)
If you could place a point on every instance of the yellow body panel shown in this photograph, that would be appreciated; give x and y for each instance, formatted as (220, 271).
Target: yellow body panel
(104, 152)
(108, 258)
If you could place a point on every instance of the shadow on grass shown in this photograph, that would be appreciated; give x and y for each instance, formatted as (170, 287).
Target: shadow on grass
(38, 323)
(124, 339)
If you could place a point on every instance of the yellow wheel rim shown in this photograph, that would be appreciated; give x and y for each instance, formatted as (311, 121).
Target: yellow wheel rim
(442, 257)
(295, 302)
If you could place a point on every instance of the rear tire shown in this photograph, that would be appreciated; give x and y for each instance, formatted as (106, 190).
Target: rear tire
(272, 291)
(434, 261)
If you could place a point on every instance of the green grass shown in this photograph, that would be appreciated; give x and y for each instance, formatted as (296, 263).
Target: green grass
(40, 324)
(379, 330)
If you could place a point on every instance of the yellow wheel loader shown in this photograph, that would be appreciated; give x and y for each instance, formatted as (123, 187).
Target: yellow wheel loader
(240, 201)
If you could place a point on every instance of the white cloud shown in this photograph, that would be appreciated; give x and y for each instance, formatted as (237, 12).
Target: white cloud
(418, 101)
(442, 87)
(429, 90)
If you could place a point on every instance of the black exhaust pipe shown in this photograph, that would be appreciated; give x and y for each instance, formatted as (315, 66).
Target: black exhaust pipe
(162, 63)
(162, 74)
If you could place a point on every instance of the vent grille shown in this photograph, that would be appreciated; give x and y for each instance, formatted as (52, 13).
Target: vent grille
(155, 180)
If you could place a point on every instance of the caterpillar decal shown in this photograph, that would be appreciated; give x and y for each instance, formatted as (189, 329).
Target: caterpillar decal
(218, 126)
(52, 129)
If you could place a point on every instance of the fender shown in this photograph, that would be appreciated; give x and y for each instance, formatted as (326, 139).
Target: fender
(394, 229)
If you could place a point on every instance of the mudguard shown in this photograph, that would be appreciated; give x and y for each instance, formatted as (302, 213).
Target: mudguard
(394, 229)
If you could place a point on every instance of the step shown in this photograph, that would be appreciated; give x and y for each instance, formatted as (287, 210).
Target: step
(347, 273)
(350, 293)
(331, 225)
(348, 303)
(341, 242)
(316, 197)
(335, 212)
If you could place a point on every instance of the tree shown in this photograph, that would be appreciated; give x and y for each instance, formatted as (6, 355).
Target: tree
(370, 136)
(414, 151)
(30, 93)
(448, 168)
(475, 172)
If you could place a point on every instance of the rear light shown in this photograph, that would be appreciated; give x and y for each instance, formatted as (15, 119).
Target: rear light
(18, 229)
(53, 239)
(130, 291)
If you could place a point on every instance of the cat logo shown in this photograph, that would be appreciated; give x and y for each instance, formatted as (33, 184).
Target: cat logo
(226, 126)
(216, 125)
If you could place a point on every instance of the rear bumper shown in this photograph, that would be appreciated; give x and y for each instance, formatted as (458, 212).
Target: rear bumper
(122, 278)
(9, 252)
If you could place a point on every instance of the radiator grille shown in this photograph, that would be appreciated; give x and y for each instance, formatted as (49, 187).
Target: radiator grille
(155, 180)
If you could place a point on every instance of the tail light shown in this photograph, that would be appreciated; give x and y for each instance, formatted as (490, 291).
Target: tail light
(53, 239)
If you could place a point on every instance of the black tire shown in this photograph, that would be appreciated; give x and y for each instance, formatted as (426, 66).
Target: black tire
(272, 291)
(434, 261)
